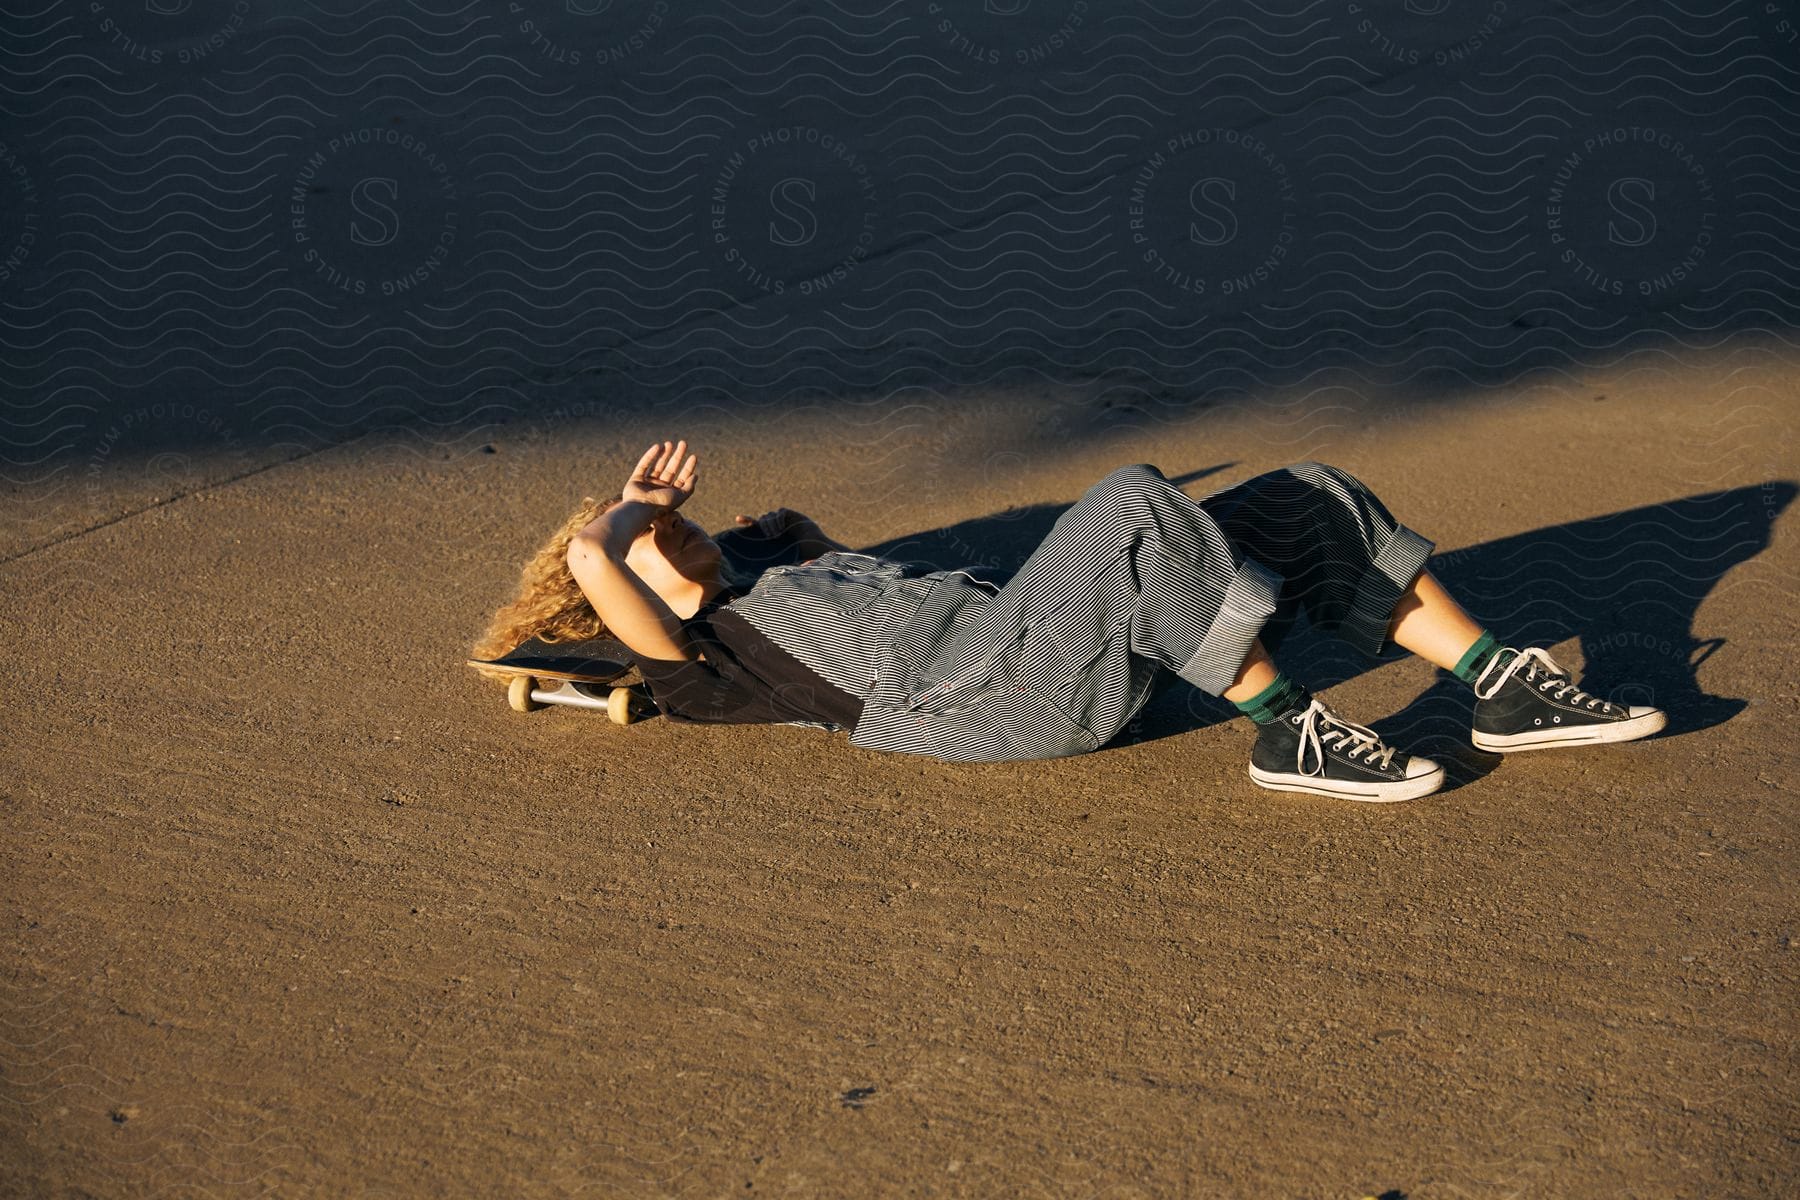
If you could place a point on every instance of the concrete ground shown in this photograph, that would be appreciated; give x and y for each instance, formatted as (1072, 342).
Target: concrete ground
(296, 906)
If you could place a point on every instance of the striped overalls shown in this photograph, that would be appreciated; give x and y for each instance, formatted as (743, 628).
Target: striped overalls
(1133, 578)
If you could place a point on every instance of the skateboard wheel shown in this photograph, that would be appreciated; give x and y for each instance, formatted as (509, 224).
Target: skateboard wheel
(619, 706)
(518, 694)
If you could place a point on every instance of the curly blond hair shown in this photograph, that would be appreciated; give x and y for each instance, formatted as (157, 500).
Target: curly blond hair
(550, 605)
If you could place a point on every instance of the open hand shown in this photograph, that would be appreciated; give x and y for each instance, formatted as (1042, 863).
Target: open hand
(661, 478)
(771, 524)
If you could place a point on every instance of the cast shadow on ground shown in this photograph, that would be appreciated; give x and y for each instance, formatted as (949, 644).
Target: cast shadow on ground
(1628, 585)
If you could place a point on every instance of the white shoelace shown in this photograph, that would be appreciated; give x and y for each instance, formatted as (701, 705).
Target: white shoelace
(1356, 739)
(1536, 662)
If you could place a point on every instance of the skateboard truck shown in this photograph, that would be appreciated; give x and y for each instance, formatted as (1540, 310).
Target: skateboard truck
(572, 674)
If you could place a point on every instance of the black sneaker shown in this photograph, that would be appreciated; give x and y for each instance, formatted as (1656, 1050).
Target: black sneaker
(1312, 749)
(1524, 701)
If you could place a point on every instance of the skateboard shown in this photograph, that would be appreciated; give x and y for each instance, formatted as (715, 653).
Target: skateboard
(575, 674)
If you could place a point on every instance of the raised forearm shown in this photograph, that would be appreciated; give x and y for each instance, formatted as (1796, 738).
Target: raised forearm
(631, 609)
(614, 530)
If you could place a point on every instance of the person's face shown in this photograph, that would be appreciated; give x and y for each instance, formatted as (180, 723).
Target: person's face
(678, 560)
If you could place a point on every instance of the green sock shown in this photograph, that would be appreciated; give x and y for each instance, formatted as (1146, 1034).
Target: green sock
(1267, 705)
(1476, 658)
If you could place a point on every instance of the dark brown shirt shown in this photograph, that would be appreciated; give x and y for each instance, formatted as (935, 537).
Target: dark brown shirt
(744, 679)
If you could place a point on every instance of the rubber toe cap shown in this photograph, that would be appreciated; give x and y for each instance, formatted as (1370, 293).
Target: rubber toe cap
(1417, 767)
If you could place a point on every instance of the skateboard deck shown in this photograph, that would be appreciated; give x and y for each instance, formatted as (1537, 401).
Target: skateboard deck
(573, 674)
